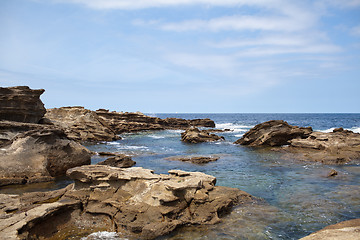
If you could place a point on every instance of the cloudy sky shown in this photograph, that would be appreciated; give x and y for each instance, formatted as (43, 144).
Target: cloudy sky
(185, 55)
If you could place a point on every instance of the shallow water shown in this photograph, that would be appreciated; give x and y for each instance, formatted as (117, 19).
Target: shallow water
(298, 197)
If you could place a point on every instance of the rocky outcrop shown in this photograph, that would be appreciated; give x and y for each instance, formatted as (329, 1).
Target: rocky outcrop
(273, 133)
(341, 231)
(338, 147)
(81, 124)
(137, 121)
(39, 155)
(194, 159)
(21, 104)
(194, 135)
(119, 160)
(130, 200)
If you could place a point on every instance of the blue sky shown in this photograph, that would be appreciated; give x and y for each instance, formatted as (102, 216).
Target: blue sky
(185, 55)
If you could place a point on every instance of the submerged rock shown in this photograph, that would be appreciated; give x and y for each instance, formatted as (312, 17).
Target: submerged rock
(338, 147)
(81, 124)
(273, 133)
(119, 160)
(341, 231)
(194, 135)
(194, 159)
(134, 201)
(21, 104)
(39, 155)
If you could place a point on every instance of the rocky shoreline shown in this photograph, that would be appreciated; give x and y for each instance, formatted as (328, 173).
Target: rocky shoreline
(37, 145)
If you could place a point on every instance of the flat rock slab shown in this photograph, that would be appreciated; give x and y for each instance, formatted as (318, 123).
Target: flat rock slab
(194, 135)
(194, 159)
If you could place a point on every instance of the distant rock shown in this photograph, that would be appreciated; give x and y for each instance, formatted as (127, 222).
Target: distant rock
(134, 201)
(346, 230)
(39, 155)
(119, 160)
(332, 173)
(21, 104)
(337, 147)
(81, 124)
(194, 135)
(194, 159)
(273, 133)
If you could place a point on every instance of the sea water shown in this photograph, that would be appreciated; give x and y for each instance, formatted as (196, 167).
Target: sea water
(297, 197)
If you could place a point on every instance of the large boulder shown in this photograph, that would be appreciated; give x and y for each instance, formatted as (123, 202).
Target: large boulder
(273, 133)
(134, 201)
(21, 104)
(39, 155)
(341, 231)
(81, 124)
(194, 135)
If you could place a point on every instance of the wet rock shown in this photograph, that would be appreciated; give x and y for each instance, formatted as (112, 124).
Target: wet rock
(119, 160)
(194, 159)
(273, 133)
(81, 124)
(21, 104)
(129, 200)
(194, 135)
(332, 173)
(341, 231)
(39, 155)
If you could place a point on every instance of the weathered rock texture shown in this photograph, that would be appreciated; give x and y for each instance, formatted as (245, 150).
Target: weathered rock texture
(39, 155)
(21, 104)
(131, 200)
(81, 124)
(273, 133)
(132, 122)
(346, 230)
(194, 135)
(338, 147)
(194, 159)
(119, 160)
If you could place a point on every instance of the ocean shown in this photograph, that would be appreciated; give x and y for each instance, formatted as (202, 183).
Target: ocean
(297, 197)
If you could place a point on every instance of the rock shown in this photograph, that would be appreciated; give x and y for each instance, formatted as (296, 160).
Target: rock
(133, 122)
(194, 135)
(81, 124)
(341, 231)
(119, 160)
(39, 155)
(273, 133)
(21, 104)
(134, 201)
(194, 159)
(332, 173)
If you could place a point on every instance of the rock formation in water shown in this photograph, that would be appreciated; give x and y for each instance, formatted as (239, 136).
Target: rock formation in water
(194, 135)
(21, 104)
(194, 159)
(131, 200)
(81, 124)
(337, 147)
(273, 133)
(346, 230)
(39, 155)
(118, 160)
(132, 122)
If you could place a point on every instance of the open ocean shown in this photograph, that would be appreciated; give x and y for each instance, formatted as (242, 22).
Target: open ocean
(298, 198)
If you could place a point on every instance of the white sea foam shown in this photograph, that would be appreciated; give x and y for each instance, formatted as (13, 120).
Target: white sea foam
(156, 137)
(354, 129)
(103, 236)
(234, 127)
(239, 135)
(327, 130)
(113, 143)
(132, 147)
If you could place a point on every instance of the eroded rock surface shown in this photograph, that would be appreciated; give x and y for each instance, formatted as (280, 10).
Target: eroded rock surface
(341, 231)
(118, 160)
(273, 133)
(21, 104)
(194, 135)
(81, 124)
(134, 201)
(194, 159)
(39, 155)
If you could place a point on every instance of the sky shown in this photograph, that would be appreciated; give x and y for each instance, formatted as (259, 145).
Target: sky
(196, 56)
